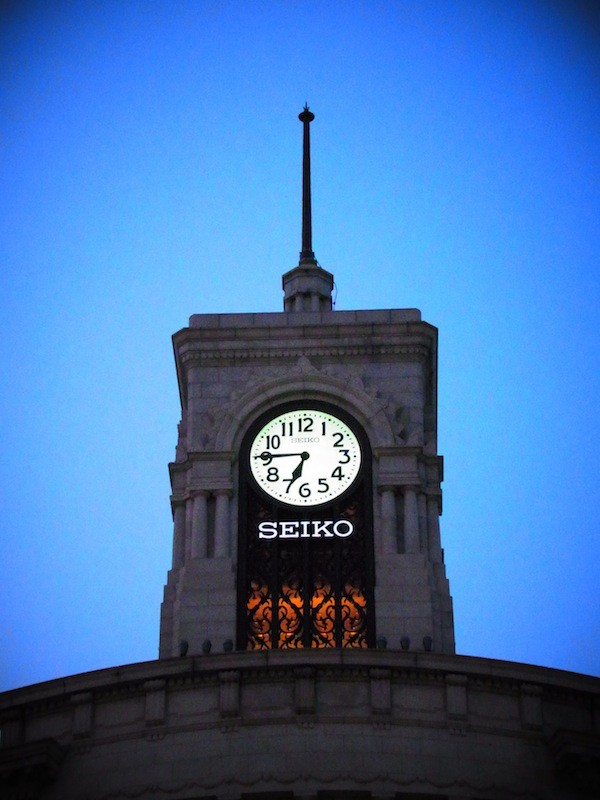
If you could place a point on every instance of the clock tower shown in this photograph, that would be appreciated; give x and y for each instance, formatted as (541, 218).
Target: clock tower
(306, 486)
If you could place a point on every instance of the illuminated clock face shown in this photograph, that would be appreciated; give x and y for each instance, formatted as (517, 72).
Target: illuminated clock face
(305, 457)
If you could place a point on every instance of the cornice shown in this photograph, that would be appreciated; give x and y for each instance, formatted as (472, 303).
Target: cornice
(396, 319)
(210, 456)
(406, 666)
(419, 352)
(399, 450)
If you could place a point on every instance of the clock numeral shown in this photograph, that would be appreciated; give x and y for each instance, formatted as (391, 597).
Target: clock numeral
(305, 425)
(339, 438)
(323, 485)
(323, 428)
(337, 473)
(346, 453)
(273, 442)
(272, 474)
(304, 490)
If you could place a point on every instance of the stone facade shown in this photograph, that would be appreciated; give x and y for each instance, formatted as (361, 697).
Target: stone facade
(303, 724)
(378, 366)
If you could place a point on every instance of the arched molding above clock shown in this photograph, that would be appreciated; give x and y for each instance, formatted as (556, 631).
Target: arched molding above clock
(348, 395)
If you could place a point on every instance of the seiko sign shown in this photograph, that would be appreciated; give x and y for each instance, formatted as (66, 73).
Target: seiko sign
(305, 529)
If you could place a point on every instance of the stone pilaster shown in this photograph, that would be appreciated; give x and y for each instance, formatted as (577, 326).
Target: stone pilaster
(222, 524)
(200, 525)
(179, 529)
(411, 520)
(389, 523)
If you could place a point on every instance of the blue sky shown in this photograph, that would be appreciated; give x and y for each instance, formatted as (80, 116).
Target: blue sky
(150, 169)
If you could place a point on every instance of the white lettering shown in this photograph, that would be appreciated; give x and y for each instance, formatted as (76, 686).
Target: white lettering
(305, 529)
(267, 530)
(322, 526)
(347, 523)
(298, 439)
(288, 530)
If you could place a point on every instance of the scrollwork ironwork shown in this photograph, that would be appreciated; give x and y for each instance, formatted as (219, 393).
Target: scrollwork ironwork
(290, 604)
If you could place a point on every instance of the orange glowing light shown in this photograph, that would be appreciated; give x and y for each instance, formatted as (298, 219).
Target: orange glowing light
(325, 614)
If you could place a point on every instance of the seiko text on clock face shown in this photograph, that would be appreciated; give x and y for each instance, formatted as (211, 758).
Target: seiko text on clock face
(305, 457)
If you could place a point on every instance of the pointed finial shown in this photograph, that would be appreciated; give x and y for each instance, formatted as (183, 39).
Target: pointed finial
(306, 115)
(306, 254)
(308, 286)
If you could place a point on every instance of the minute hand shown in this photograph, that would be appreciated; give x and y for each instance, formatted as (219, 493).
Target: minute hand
(267, 457)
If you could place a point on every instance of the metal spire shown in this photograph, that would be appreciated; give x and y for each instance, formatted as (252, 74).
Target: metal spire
(308, 286)
(306, 255)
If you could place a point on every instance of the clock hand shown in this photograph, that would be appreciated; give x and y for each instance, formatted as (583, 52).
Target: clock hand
(266, 457)
(298, 471)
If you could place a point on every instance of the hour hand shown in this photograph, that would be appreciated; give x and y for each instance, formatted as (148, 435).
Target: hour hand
(298, 471)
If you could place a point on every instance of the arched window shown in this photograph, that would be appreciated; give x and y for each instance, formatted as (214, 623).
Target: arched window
(305, 544)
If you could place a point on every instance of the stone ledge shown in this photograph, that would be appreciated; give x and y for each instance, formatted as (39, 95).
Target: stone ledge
(194, 355)
(291, 318)
(477, 669)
